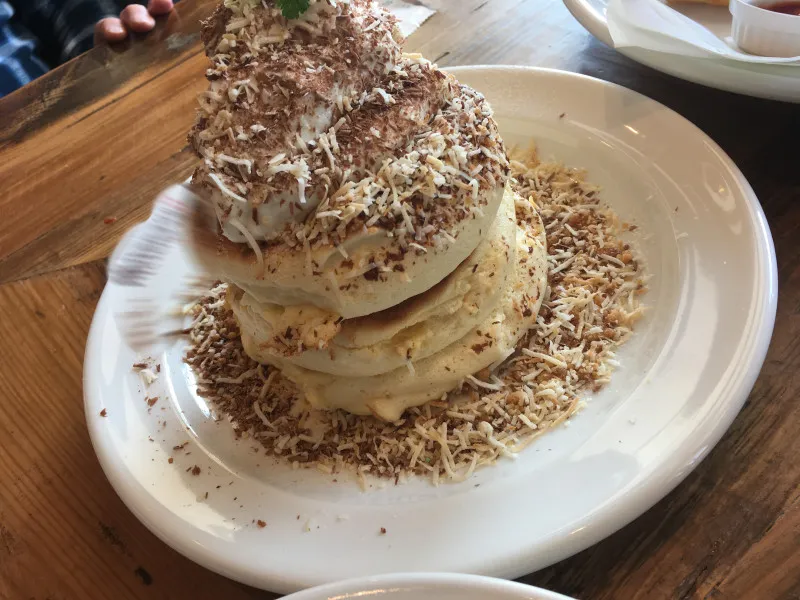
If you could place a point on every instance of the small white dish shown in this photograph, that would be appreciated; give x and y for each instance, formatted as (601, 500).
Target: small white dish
(774, 82)
(427, 586)
(684, 376)
(764, 32)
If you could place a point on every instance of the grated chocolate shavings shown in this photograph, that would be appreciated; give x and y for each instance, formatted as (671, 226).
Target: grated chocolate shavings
(326, 126)
(589, 309)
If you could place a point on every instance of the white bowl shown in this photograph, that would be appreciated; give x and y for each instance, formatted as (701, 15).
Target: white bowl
(763, 32)
(427, 586)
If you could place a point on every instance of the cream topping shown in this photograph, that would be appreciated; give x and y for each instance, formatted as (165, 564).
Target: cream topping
(317, 127)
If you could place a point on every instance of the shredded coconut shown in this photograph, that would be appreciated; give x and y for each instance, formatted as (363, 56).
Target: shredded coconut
(589, 310)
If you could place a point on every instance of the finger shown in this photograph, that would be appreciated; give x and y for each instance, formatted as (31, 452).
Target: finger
(109, 31)
(136, 18)
(159, 7)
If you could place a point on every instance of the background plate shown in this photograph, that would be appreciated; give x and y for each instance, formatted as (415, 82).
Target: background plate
(684, 377)
(762, 81)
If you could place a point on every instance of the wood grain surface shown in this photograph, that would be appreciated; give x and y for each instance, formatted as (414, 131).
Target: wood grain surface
(95, 141)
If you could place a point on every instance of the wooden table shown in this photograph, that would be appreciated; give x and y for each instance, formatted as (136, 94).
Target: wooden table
(95, 141)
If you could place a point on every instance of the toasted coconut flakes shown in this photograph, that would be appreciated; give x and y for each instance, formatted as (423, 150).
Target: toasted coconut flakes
(589, 309)
(148, 376)
(242, 162)
(235, 380)
(483, 384)
(456, 141)
(251, 241)
(261, 415)
(224, 189)
(549, 359)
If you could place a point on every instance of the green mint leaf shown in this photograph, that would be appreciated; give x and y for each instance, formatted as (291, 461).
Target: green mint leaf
(292, 9)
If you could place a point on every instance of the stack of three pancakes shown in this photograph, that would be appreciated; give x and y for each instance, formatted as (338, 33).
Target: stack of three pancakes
(374, 250)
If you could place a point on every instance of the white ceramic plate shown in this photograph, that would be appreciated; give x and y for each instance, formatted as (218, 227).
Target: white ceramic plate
(684, 376)
(762, 81)
(427, 586)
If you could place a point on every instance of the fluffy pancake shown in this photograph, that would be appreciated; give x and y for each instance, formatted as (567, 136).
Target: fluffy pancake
(344, 174)
(389, 394)
(375, 275)
(387, 340)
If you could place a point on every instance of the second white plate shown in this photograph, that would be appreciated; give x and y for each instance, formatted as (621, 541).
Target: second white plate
(762, 81)
(684, 376)
(421, 586)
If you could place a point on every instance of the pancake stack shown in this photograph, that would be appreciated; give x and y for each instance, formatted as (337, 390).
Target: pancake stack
(373, 248)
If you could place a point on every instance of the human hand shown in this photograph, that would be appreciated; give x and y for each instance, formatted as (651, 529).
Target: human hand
(133, 18)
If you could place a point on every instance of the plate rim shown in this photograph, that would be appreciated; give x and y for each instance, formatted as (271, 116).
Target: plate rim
(596, 24)
(592, 21)
(663, 479)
